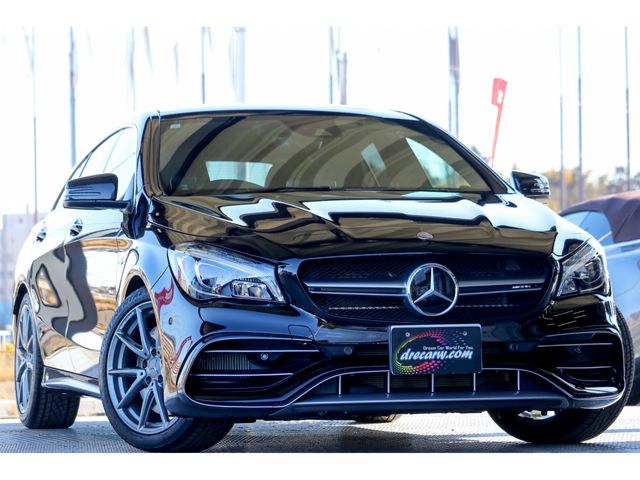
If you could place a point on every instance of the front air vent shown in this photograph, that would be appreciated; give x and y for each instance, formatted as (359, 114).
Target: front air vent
(238, 367)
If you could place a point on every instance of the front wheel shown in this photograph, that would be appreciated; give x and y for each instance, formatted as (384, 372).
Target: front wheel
(571, 425)
(131, 384)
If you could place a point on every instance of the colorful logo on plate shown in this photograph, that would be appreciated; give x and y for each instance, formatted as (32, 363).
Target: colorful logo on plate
(430, 351)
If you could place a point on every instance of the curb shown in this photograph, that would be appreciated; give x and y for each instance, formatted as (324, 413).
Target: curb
(89, 407)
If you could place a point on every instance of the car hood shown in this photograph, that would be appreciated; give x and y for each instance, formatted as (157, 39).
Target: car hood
(285, 225)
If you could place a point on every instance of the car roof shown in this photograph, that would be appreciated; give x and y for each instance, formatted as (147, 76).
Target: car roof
(621, 209)
(245, 108)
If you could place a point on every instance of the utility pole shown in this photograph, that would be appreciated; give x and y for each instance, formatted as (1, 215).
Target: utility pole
(132, 71)
(238, 65)
(626, 91)
(342, 77)
(332, 62)
(31, 47)
(563, 184)
(454, 80)
(203, 31)
(72, 93)
(337, 67)
(580, 177)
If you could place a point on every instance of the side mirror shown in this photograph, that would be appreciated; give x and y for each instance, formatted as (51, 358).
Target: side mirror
(531, 185)
(93, 192)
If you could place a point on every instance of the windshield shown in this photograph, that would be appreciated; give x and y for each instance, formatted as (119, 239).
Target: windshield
(220, 154)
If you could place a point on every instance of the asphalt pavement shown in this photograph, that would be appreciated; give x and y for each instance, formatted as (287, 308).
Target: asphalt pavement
(434, 433)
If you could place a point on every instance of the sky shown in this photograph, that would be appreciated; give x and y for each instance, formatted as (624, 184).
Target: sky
(390, 66)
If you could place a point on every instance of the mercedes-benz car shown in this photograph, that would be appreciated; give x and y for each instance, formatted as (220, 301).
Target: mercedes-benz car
(207, 267)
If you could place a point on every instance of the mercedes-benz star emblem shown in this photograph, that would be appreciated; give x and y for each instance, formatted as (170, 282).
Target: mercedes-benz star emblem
(432, 290)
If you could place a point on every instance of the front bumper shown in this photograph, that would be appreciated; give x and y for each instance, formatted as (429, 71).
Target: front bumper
(242, 362)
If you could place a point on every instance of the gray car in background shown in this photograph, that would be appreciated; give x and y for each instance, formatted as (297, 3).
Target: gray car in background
(614, 220)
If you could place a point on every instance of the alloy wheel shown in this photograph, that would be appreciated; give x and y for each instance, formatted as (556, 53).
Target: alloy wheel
(24, 358)
(134, 373)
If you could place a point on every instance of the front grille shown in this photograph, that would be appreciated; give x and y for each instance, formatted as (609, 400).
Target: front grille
(373, 288)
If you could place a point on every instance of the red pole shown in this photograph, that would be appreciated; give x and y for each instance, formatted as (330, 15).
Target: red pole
(497, 99)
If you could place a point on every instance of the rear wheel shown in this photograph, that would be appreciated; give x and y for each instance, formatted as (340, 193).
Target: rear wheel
(131, 383)
(38, 407)
(571, 425)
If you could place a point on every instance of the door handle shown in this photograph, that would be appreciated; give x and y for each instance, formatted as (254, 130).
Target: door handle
(40, 236)
(76, 228)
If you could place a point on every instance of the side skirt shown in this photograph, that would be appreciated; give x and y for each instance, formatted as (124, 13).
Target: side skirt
(70, 382)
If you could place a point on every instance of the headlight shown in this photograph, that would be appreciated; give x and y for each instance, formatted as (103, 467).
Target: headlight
(584, 271)
(205, 272)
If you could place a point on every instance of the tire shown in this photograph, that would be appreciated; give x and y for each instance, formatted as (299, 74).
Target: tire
(634, 396)
(131, 386)
(571, 425)
(38, 407)
(376, 418)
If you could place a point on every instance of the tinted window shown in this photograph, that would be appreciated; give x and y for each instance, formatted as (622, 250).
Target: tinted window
(75, 173)
(98, 158)
(122, 161)
(595, 223)
(217, 154)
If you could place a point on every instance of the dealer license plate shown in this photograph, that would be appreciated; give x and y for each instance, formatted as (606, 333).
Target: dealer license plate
(435, 349)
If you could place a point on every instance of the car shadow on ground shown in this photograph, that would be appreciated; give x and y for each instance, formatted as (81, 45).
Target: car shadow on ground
(317, 437)
(354, 438)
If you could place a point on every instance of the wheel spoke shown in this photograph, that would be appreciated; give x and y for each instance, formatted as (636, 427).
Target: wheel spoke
(25, 389)
(126, 372)
(18, 391)
(131, 345)
(132, 392)
(157, 393)
(21, 368)
(147, 401)
(145, 338)
(24, 326)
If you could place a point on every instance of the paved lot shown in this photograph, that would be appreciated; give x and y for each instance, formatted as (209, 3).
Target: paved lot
(411, 433)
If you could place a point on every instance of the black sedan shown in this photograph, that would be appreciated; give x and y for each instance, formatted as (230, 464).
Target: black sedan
(206, 267)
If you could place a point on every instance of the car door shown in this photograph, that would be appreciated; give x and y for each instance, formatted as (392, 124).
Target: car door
(48, 279)
(91, 250)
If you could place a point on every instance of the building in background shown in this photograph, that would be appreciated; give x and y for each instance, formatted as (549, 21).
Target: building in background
(15, 229)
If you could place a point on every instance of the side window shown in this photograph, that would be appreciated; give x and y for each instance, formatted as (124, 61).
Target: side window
(596, 223)
(98, 157)
(92, 164)
(122, 161)
(75, 173)
(576, 217)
